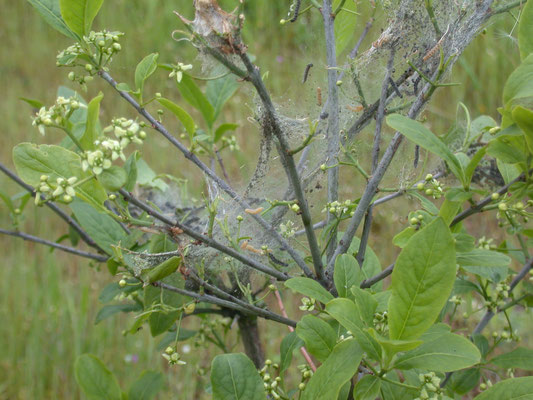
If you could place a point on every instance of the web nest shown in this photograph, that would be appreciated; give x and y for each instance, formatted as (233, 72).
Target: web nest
(408, 31)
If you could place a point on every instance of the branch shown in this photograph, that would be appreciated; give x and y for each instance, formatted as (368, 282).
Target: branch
(224, 303)
(64, 216)
(507, 7)
(478, 207)
(379, 277)
(205, 239)
(81, 253)
(287, 161)
(333, 119)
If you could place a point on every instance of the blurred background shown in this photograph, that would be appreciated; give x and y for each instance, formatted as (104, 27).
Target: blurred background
(48, 300)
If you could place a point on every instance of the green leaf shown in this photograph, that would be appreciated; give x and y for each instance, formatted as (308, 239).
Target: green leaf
(401, 239)
(194, 96)
(366, 304)
(170, 338)
(371, 264)
(183, 116)
(394, 392)
(318, 335)
(464, 381)
(146, 386)
(144, 69)
(92, 127)
(524, 119)
(345, 274)
(510, 389)
(108, 311)
(163, 270)
(476, 159)
(421, 281)
(519, 85)
(79, 14)
(393, 346)
(160, 322)
(507, 150)
(310, 288)
(346, 312)
(219, 91)
(525, 31)
(234, 377)
(95, 380)
(367, 388)
(419, 134)
(50, 11)
(147, 177)
(449, 352)
(32, 161)
(131, 171)
(340, 366)
(449, 210)
(520, 357)
(483, 258)
(113, 178)
(103, 229)
(345, 24)
(222, 129)
(289, 343)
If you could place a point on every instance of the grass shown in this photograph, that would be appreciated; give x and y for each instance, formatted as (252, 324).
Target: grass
(48, 301)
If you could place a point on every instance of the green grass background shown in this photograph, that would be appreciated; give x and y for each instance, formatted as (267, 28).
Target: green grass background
(48, 301)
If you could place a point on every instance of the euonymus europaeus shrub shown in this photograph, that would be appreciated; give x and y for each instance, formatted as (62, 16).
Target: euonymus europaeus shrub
(412, 330)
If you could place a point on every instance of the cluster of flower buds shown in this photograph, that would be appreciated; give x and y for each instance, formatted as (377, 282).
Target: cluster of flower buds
(173, 357)
(456, 300)
(506, 336)
(416, 220)
(271, 384)
(307, 304)
(508, 213)
(484, 243)
(431, 187)
(230, 142)
(339, 209)
(177, 71)
(381, 322)
(63, 190)
(97, 47)
(497, 299)
(207, 327)
(287, 229)
(430, 389)
(306, 372)
(57, 115)
(96, 161)
(126, 131)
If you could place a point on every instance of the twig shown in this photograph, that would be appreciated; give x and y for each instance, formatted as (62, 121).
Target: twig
(507, 7)
(71, 250)
(204, 168)
(224, 303)
(287, 161)
(333, 120)
(303, 350)
(64, 216)
(478, 207)
(379, 277)
(205, 239)
(375, 156)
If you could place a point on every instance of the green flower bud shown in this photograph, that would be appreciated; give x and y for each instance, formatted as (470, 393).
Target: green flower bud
(112, 197)
(301, 386)
(429, 192)
(17, 211)
(272, 288)
(67, 198)
(158, 95)
(339, 83)
(494, 130)
(44, 178)
(240, 218)
(117, 46)
(429, 177)
(413, 221)
(295, 208)
(323, 167)
(519, 205)
(88, 67)
(142, 135)
(169, 350)
(189, 308)
(88, 78)
(420, 186)
(282, 22)
(502, 207)
(71, 75)
(122, 283)
(101, 43)
(482, 386)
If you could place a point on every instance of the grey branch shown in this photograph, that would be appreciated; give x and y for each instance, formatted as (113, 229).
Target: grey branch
(64, 216)
(71, 250)
(226, 304)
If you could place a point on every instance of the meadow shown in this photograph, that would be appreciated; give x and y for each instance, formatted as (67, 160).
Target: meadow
(48, 300)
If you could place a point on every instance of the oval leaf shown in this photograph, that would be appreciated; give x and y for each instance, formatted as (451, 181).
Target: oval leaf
(289, 343)
(92, 127)
(510, 389)
(318, 335)
(520, 357)
(194, 96)
(367, 388)
(234, 377)
(310, 288)
(183, 116)
(525, 31)
(422, 280)
(146, 386)
(519, 85)
(449, 352)
(96, 381)
(144, 69)
(340, 366)
(345, 274)
(79, 14)
(419, 134)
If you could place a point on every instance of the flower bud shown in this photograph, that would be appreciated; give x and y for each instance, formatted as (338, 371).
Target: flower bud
(282, 22)
(429, 177)
(495, 196)
(429, 192)
(271, 287)
(295, 207)
(413, 221)
(301, 386)
(323, 167)
(339, 83)
(88, 67)
(117, 46)
(71, 76)
(189, 308)
(122, 283)
(240, 218)
(44, 178)
(112, 197)
(420, 186)
(502, 207)
(67, 198)
(169, 350)
(17, 211)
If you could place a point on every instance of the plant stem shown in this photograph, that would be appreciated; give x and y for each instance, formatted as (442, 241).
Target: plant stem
(71, 250)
